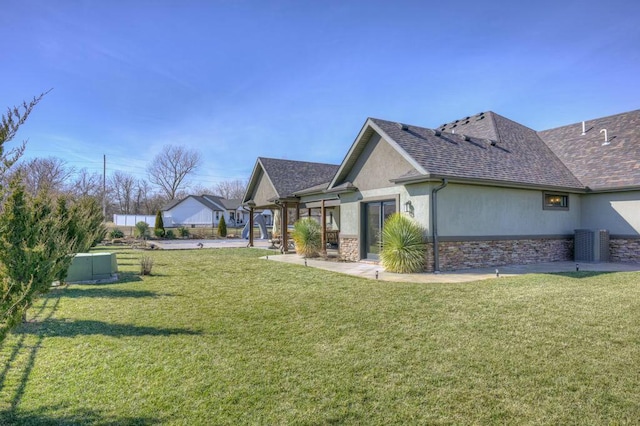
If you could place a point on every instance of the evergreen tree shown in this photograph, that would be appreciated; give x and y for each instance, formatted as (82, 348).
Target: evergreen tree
(222, 227)
(33, 252)
(159, 228)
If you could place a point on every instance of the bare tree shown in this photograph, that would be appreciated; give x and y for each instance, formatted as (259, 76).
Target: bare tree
(147, 201)
(86, 184)
(169, 169)
(121, 186)
(49, 175)
(231, 189)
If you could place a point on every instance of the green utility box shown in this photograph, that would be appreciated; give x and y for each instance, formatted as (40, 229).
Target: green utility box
(93, 267)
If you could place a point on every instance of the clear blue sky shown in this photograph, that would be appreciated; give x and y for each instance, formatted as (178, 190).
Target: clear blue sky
(297, 79)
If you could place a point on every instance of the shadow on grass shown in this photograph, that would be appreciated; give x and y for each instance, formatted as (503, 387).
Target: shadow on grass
(43, 416)
(71, 328)
(581, 274)
(106, 292)
(128, 277)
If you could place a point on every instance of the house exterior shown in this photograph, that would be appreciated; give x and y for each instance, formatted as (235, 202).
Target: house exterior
(204, 211)
(489, 191)
(274, 184)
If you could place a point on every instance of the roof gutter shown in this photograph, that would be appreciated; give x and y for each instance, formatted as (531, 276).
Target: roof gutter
(434, 226)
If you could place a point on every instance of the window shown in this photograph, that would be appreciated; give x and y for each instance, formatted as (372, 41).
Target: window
(553, 201)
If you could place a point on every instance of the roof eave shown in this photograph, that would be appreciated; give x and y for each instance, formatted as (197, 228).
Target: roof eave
(486, 182)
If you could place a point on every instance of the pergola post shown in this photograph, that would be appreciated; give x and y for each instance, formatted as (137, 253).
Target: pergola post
(323, 216)
(251, 226)
(285, 229)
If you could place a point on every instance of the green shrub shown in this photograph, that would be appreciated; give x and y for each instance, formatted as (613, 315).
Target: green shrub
(183, 232)
(307, 237)
(142, 230)
(169, 234)
(116, 233)
(222, 227)
(159, 225)
(403, 245)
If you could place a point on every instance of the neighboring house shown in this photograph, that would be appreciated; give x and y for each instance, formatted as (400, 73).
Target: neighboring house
(204, 210)
(488, 191)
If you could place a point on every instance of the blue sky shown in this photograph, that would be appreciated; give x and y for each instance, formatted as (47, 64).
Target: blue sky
(297, 79)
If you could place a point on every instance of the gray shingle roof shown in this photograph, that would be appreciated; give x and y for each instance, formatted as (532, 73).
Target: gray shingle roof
(518, 157)
(288, 176)
(598, 166)
(212, 202)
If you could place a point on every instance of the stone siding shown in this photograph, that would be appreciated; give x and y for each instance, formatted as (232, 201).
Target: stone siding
(624, 250)
(349, 249)
(481, 254)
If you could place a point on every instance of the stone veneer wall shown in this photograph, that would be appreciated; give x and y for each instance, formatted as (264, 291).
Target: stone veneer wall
(349, 248)
(624, 249)
(481, 254)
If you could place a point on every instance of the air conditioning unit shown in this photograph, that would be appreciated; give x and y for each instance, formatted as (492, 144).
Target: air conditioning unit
(591, 245)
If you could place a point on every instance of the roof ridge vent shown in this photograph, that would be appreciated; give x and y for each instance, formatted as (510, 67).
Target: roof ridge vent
(437, 132)
(403, 126)
(466, 137)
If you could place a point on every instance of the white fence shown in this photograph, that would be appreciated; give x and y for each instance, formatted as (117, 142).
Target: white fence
(132, 219)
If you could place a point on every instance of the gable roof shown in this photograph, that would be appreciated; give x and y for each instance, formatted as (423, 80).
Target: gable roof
(491, 149)
(232, 203)
(212, 202)
(600, 166)
(288, 176)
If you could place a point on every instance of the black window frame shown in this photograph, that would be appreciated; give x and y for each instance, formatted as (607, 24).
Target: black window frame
(564, 201)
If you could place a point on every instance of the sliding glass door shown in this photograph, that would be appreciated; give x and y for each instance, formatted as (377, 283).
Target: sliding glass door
(375, 214)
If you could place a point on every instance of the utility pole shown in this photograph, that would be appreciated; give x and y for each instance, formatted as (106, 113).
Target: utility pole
(104, 186)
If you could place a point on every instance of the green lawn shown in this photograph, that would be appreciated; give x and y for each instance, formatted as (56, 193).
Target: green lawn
(222, 337)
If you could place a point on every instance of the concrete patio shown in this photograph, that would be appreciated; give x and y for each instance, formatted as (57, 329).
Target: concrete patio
(375, 271)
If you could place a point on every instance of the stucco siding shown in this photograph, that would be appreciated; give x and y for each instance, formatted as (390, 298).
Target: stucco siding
(263, 191)
(472, 210)
(378, 163)
(350, 205)
(618, 212)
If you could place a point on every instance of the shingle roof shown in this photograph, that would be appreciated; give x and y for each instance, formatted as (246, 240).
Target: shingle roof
(598, 166)
(231, 204)
(212, 202)
(288, 176)
(519, 156)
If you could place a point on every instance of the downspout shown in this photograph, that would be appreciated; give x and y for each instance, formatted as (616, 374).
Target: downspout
(434, 227)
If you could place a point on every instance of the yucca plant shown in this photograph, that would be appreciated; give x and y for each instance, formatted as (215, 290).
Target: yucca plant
(307, 237)
(403, 245)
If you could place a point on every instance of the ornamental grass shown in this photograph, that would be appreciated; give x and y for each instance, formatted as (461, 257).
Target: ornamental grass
(403, 245)
(307, 237)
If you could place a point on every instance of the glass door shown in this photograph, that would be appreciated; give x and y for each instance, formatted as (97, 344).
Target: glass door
(375, 215)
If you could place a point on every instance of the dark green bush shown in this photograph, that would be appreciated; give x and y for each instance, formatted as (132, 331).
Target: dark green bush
(183, 232)
(142, 230)
(159, 225)
(169, 234)
(116, 233)
(222, 228)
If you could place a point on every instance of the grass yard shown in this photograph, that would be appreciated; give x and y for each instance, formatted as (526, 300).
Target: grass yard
(222, 337)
